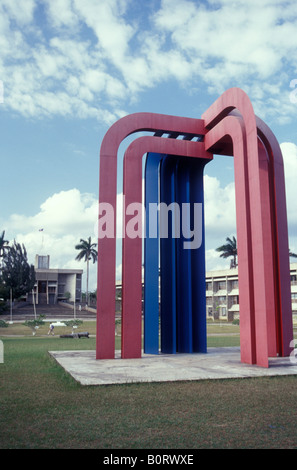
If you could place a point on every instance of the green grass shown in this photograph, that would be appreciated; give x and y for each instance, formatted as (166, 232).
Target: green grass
(17, 328)
(41, 406)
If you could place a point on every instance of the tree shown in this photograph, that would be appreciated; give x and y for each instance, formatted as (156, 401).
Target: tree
(87, 253)
(229, 249)
(73, 324)
(17, 273)
(35, 324)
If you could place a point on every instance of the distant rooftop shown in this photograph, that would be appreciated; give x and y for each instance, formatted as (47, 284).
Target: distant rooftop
(42, 263)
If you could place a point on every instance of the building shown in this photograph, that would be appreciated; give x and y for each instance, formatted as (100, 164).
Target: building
(222, 295)
(53, 285)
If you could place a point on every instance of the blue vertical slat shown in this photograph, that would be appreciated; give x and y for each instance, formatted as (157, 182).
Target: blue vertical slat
(168, 261)
(151, 257)
(184, 285)
(198, 263)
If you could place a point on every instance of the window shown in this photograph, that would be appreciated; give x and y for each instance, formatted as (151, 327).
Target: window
(43, 262)
(223, 311)
(234, 284)
(234, 299)
(221, 285)
(61, 289)
(42, 287)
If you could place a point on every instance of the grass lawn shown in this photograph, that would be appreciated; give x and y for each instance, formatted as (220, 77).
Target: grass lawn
(17, 328)
(41, 406)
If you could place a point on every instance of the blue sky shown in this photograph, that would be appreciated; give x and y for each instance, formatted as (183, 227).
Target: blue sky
(71, 68)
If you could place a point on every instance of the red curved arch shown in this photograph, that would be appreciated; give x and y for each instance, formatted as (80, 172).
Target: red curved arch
(267, 217)
(105, 344)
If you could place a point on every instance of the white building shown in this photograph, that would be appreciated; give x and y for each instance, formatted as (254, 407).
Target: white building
(222, 295)
(53, 285)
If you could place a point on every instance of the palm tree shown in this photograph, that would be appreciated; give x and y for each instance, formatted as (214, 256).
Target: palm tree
(229, 249)
(87, 253)
(3, 244)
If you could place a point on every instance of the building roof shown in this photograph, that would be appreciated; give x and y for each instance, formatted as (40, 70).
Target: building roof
(59, 271)
(234, 271)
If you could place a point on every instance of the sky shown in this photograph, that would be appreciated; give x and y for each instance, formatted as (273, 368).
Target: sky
(69, 69)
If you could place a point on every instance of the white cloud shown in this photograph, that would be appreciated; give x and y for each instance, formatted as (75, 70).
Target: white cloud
(238, 43)
(220, 219)
(289, 151)
(219, 207)
(60, 13)
(111, 30)
(93, 57)
(213, 261)
(220, 216)
(20, 12)
(250, 33)
(56, 75)
(65, 218)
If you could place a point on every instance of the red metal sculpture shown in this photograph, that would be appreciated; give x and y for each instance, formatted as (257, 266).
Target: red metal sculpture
(229, 127)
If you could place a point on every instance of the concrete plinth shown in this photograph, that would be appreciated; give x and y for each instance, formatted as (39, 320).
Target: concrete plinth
(218, 363)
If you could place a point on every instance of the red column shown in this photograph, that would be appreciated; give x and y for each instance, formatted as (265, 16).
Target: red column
(215, 139)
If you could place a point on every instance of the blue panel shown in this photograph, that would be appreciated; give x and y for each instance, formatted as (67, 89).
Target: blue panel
(151, 257)
(171, 179)
(168, 260)
(198, 263)
(184, 285)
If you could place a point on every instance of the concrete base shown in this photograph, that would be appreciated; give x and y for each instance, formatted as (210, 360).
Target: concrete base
(218, 363)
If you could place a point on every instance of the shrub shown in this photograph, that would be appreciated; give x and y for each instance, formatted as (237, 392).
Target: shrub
(73, 323)
(35, 324)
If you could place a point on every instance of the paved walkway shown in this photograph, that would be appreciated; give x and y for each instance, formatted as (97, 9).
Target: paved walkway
(218, 363)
